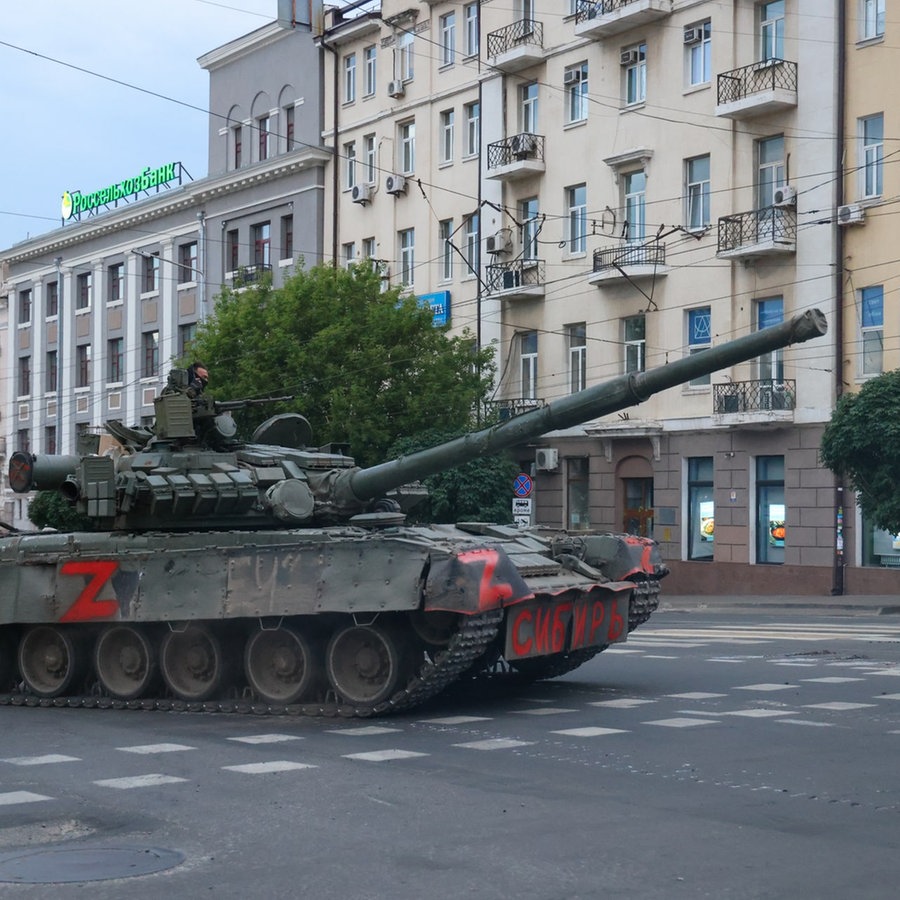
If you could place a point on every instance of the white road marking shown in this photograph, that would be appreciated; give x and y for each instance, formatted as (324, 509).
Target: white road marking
(383, 755)
(44, 760)
(494, 744)
(623, 703)
(833, 679)
(590, 732)
(267, 768)
(765, 687)
(148, 749)
(13, 797)
(139, 781)
(364, 730)
(682, 722)
(455, 720)
(543, 711)
(758, 713)
(696, 695)
(838, 705)
(266, 738)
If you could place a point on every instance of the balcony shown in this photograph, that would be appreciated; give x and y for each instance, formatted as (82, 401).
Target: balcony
(764, 400)
(516, 157)
(627, 262)
(517, 46)
(755, 90)
(771, 231)
(501, 410)
(516, 280)
(249, 275)
(602, 18)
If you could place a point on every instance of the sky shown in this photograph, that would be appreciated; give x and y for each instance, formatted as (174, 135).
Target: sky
(67, 126)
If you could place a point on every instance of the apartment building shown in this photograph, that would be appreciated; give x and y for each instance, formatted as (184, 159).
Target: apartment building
(98, 308)
(603, 188)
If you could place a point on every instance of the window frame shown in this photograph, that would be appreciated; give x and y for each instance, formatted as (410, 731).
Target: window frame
(472, 113)
(576, 219)
(447, 139)
(871, 158)
(576, 340)
(471, 25)
(406, 147)
(349, 79)
(635, 77)
(447, 31)
(370, 70)
(446, 252)
(697, 190)
(406, 241)
(528, 364)
(871, 331)
(634, 343)
(698, 325)
(698, 57)
(575, 82)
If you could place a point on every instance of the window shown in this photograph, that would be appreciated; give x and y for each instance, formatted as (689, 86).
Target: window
(407, 160)
(699, 55)
(470, 14)
(472, 257)
(770, 311)
(83, 282)
(24, 306)
(262, 249)
(531, 227)
(150, 354)
(237, 144)
(577, 506)
(770, 510)
(472, 112)
(350, 165)
(634, 186)
(186, 334)
(871, 330)
(771, 30)
(370, 70)
(448, 38)
(407, 256)
(23, 440)
(368, 248)
(115, 358)
(447, 117)
(348, 252)
(576, 337)
(871, 162)
(576, 218)
(150, 273)
(287, 237)
(289, 116)
(635, 343)
(445, 251)
(872, 18)
(699, 338)
(575, 81)
(83, 366)
(770, 171)
(187, 262)
(369, 158)
(262, 126)
(116, 283)
(404, 68)
(528, 367)
(528, 107)
(701, 508)
(51, 372)
(233, 250)
(697, 193)
(52, 304)
(24, 376)
(636, 75)
(50, 438)
(350, 78)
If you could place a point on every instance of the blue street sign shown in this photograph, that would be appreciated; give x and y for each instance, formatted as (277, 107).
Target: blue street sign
(523, 485)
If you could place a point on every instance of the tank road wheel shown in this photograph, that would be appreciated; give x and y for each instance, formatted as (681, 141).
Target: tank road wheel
(51, 660)
(193, 663)
(365, 663)
(282, 665)
(435, 628)
(125, 660)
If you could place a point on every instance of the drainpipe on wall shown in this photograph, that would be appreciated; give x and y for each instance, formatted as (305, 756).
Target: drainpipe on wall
(335, 169)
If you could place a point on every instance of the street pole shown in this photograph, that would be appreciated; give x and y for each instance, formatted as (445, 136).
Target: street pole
(59, 355)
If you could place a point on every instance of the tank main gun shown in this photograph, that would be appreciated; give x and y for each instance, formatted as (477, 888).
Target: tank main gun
(190, 472)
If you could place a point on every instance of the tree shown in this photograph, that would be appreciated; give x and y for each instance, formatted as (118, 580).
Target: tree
(49, 509)
(860, 444)
(365, 366)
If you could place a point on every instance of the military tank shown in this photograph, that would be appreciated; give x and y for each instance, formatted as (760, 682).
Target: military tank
(265, 574)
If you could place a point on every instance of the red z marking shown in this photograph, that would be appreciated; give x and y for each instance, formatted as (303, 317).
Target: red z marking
(489, 595)
(87, 606)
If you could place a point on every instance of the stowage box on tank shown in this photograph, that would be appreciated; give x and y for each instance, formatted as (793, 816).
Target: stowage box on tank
(224, 572)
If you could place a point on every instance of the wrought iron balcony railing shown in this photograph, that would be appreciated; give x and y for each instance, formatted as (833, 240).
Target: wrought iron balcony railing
(625, 255)
(770, 75)
(770, 225)
(525, 31)
(762, 395)
(247, 275)
(516, 148)
(501, 410)
(516, 274)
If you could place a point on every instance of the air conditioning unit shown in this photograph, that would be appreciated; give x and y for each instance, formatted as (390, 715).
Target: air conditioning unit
(785, 195)
(852, 214)
(395, 184)
(693, 35)
(571, 76)
(522, 145)
(361, 193)
(396, 88)
(628, 57)
(501, 242)
(546, 459)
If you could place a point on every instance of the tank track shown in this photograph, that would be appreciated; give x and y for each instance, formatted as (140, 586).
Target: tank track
(463, 650)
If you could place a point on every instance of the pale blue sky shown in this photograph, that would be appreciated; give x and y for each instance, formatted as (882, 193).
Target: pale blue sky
(68, 130)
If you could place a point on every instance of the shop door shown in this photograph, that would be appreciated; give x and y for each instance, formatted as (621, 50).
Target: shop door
(638, 513)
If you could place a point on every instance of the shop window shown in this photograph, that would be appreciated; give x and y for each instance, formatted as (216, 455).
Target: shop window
(771, 532)
(701, 508)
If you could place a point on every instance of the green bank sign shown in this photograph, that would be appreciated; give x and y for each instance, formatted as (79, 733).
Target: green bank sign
(75, 202)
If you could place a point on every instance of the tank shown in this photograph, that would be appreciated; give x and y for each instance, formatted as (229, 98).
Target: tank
(265, 574)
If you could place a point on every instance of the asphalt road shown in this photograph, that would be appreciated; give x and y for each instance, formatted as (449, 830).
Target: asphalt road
(721, 756)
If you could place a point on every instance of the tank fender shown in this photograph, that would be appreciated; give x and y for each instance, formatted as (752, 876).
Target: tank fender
(473, 581)
(624, 556)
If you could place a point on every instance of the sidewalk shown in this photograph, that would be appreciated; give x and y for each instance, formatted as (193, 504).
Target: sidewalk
(851, 604)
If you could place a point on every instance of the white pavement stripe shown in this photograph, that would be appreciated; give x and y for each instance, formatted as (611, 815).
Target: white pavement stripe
(590, 732)
(805, 722)
(13, 797)
(759, 713)
(139, 781)
(832, 679)
(838, 705)
(455, 720)
(383, 755)
(364, 730)
(494, 744)
(266, 768)
(543, 711)
(765, 687)
(622, 703)
(148, 749)
(682, 722)
(44, 760)
(696, 695)
(266, 738)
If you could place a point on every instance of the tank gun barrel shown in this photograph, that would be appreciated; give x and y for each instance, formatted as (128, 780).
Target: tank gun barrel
(598, 400)
(227, 405)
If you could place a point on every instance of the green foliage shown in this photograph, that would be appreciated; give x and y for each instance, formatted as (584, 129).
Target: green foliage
(49, 509)
(860, 444)
(364, 366)
(479, 491)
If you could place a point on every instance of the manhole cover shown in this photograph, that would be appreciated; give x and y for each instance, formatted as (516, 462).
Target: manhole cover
(84, 864)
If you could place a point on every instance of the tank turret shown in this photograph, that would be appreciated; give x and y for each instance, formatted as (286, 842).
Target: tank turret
(191, 472)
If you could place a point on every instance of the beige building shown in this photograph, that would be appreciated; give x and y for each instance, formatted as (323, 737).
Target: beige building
(632, 181)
